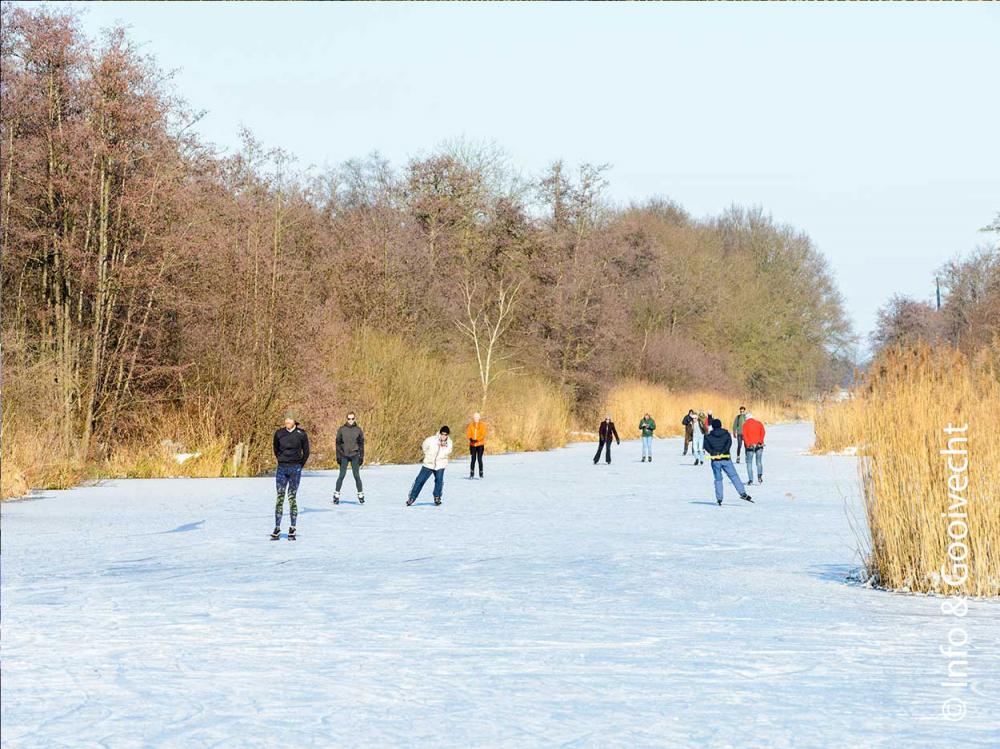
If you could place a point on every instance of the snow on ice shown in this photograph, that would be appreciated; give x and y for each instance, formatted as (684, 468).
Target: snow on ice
(556, 603)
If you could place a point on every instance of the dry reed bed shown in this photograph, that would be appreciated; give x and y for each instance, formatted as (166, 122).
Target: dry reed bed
(628, 401)
(913, 498)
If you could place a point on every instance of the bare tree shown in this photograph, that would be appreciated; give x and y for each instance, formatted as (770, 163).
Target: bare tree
(488, 318)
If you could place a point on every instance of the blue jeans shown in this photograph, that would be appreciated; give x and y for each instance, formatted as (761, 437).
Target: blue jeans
(698, 446)
(718, 466)
(287, 477)
(426, 473)
(647, 446)
(751, 453)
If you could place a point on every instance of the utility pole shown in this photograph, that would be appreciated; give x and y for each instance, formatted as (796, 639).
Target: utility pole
(937, 283)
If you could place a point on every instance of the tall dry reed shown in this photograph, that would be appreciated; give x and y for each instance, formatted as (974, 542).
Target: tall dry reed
(628, 401)
(402, 392)
(919, 508)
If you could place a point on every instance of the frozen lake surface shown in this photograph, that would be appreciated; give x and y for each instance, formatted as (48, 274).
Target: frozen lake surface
(556, 603)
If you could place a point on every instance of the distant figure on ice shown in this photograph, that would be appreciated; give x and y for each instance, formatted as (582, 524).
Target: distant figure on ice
(700, 429)
(647, 426)
(476, 432)
(350, 452)
(291, 450)
(688, 424)
(753, 442)
(436, 449)
(738, 422)
(718, 443)
(606, 432)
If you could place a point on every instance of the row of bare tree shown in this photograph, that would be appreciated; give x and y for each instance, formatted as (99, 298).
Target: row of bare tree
(966, 313)
(142, 270)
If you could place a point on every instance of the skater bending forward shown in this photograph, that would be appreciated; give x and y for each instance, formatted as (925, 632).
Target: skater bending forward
(718, 442)
(291, 450)
(436, 449)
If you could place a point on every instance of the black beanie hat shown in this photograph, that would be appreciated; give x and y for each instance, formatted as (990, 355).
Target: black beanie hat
(444, 430)
(716, 424)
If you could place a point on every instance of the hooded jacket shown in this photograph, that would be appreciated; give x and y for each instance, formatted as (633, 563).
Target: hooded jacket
(753, 433)
(718, 443)
(436, 454)
(291, 448)
(350, 442)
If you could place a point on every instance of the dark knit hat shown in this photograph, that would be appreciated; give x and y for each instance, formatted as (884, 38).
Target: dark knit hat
(444, 430)
(716, 424)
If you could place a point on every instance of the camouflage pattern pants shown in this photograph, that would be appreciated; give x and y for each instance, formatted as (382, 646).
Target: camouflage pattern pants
(287, 477)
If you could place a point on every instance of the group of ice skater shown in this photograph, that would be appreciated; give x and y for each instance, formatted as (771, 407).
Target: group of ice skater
(703, 433)
(291, 450)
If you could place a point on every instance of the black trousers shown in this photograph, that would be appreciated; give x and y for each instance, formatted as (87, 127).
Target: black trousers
(604, 445)
(476, 453)
(355, 463)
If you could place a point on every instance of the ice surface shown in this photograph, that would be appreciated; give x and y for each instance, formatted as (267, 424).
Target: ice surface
(556, 603)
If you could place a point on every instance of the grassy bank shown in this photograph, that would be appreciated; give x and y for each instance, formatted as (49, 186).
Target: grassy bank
(401, 391)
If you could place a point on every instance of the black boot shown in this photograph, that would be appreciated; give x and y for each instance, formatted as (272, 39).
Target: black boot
(437, 500)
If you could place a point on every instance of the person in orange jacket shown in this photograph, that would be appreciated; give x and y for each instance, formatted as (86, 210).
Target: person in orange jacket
(753, 444)
(476, 432)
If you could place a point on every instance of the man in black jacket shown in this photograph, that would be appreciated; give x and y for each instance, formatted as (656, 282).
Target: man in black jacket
(607, 432)
(718, 442)
(350, 452)
(291, 449)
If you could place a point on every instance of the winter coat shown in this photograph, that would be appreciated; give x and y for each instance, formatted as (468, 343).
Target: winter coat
(608, 432)
(647, 427)
(350, 442)
(436, 454)
(291, 448)
(738, 424)
(476, 433)
(753, 433)
(688, 423)
(718, 443)
(703, 426)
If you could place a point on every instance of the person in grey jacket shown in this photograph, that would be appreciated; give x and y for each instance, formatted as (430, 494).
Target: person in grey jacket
(350, 452)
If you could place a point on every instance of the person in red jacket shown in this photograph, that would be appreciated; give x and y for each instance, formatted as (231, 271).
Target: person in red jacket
(753, 444)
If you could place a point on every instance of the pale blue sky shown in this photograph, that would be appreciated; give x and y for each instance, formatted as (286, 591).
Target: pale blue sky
(872, 128)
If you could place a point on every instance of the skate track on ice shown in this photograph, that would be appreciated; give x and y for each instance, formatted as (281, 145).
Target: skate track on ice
(556, 603)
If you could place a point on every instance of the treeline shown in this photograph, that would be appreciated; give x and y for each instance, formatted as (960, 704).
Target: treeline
(968, 317)
(145, 274)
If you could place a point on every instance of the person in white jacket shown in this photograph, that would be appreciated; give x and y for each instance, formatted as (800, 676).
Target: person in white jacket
(436, 449)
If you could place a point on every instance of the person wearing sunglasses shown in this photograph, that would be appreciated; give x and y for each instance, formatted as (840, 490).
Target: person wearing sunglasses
(350, 452)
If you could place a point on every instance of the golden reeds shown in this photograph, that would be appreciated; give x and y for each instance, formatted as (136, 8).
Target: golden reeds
(932, 516)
